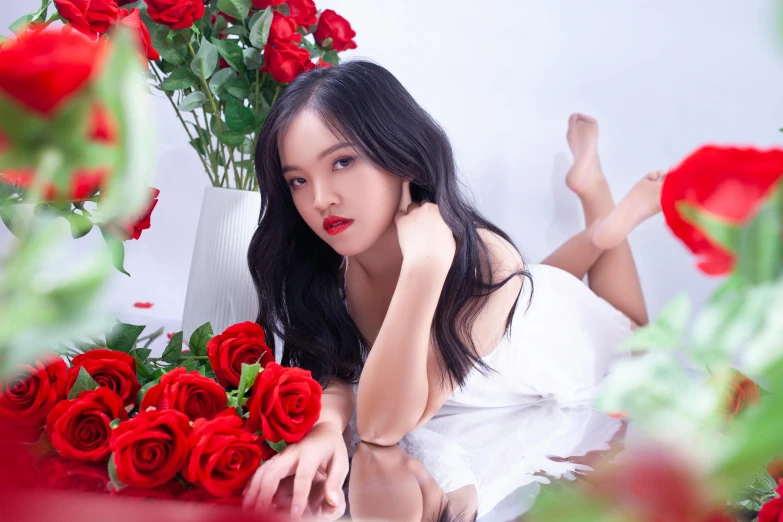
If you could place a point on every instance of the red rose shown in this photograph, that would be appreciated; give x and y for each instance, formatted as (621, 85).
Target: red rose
(109, 368)
(239, 343)
(91, 17)
(190, 393)
(42, 70)
(283, 29)
(331, 25)
(177, 14)
(775, 468)
(772, 511)
(151, 448)
(132, 19)
(728, 183)
(284, 61)
(263, 4)
(741, 392)
(322, 63)
(223, 457)
(29, 394)
(83, 184)
(303, 12)
(69, 475)
(285, 403)
(133, 230)
(79, 428)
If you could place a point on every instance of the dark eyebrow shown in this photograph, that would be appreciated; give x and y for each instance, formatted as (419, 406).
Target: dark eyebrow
(331, 149)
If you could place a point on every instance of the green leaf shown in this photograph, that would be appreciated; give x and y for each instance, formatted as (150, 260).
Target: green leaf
(197, 144)
(80, 225)
(141, 354)
(760, 248)
(173, 50)
(720, 232)
(238, 116)
(247, 379)
(284, 10)
(84, 382)
(174, 349)
(192, 101)
(235, 8)
(181, 78)
(327, 43)
(239, 88)
(219, 80)
(116, 248)
(331, 57)
(113, 474)
(20, 23)
(277, 446)
(259, 30)
(665, 332)
(252, 58)
(113, 424)
(231, 53)
(232, 139)
(123, 336)
(144, 389)
(199, 339)
(236, 30)
(190, 365)
(206, 60)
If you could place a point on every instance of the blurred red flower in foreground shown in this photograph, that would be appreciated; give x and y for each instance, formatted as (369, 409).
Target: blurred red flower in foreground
(727, 183)
(134, 229)
(42, 70)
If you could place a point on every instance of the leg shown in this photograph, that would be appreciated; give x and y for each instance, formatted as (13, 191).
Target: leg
(611, 272)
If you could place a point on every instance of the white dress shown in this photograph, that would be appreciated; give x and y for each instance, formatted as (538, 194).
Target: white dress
(499, 431)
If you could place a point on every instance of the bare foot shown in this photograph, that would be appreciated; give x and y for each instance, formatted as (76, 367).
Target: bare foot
(585, 174)
(642, 202)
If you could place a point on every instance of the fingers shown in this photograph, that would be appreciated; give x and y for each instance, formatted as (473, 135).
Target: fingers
(267, 480)
(303, 481)
(338, 470)
(405, 197)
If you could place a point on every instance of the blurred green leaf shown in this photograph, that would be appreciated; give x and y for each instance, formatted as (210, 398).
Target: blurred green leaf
(331, 57)
(123, 336)
(190, 365)
(174, 349)
(192, 101)
(232, 139)
(231, 53)
(20, 23)
(199, 339)
(143, 370)
(252, 58)
(236, 30)
(235, 8)
(566, 502)
(113, 474)
(197, 144)
(80, 225)
(719, 231)
(84, 382)
(116, 248)
(175, 51)
(206, 60)
(144, 389)
(666, 331)
(760, 244)
(277, 446)
(141, 354)
(259, 29)
(181, 78)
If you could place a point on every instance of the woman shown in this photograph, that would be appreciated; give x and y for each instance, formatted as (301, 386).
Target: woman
(353, 172)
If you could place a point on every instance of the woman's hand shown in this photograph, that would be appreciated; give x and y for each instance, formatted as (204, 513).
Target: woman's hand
(323, 449)
(424, 237)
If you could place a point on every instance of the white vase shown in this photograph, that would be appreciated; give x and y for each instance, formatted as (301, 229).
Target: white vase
(220, 289)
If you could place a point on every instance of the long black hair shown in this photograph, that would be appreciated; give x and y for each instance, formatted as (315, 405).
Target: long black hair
(297, 274)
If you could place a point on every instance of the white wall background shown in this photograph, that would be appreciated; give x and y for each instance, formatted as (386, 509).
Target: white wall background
(661, 76)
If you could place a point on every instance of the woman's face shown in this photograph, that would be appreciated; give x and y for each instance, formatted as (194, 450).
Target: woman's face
(327, 179)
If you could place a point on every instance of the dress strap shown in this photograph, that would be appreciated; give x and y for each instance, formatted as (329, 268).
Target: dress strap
(345, 275)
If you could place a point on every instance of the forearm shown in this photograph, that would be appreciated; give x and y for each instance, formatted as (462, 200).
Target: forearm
(393, 387)
(337, 405)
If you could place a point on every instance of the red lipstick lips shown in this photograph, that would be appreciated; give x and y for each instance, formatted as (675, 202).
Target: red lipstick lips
(336, 224)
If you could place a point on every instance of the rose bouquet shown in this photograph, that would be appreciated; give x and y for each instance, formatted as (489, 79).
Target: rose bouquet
(711, 435)
(192, 424)
(220, 63)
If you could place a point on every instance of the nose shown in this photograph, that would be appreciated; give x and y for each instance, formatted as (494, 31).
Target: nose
(324, 195)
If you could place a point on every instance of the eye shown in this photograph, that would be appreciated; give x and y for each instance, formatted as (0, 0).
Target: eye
(348, 159)
(291, 183)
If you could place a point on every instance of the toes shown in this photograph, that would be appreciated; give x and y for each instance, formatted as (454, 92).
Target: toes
(573, 118)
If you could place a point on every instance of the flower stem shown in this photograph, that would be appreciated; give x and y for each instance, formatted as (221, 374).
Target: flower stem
(206, 90)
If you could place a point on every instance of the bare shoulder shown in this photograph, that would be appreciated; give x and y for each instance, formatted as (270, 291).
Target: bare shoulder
(504, 258)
